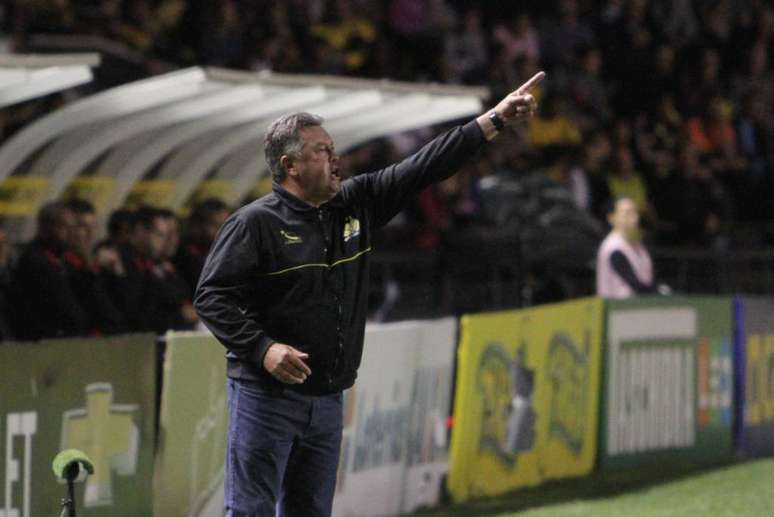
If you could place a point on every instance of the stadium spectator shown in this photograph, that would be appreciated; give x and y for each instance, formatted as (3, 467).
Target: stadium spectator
(713, 132)
(555, 126)
(140, 298)
(451, 205)
(626, 182)
(83, 233)
(89, 282)
(679, 20)
(120, 227)
(466, 50)
(596, 164)
(348, 36)
(563, 168)
(753, 134)
(702, 205)
(417, 29)
(47, 16)
(590, 92)
(224, 44)
(658, 137)
(518, 40)
(45, 305)
(631, 55)
(661, 76)
(561, 40)
(203, 224)
(174, 305)
(756, 80)
(624, 267)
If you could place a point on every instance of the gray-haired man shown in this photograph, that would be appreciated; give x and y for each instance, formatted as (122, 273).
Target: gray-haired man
(284, 289)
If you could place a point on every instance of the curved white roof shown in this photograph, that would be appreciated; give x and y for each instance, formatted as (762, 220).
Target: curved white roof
(27, 76)
(164, 136)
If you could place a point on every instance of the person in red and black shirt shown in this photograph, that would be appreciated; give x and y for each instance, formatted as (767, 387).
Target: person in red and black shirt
(44, 303)
(140, 298)
(206, 219)
(176, 309)
(90, 280)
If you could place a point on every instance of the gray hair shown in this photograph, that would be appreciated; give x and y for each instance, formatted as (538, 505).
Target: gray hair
(284, 137)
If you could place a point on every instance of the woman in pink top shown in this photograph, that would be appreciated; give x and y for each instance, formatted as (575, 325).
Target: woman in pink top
(624, 268)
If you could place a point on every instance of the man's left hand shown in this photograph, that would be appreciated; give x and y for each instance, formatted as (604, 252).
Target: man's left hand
(519, 104)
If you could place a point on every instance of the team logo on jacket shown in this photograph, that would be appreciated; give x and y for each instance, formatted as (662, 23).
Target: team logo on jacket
(351, 228)
(290, 238)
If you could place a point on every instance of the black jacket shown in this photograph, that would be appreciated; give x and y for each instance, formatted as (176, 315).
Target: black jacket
(44, 303)
(91, 288)
(283, 271)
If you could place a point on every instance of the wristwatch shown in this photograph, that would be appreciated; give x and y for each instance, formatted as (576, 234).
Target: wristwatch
(497, 122)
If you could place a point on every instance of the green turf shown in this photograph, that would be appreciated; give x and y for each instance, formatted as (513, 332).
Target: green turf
(746, 489)
(736, 490)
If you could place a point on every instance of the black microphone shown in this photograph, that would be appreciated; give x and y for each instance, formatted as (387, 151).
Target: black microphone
(70, 464)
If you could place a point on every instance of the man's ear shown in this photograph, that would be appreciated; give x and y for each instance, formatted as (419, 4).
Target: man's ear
(286, 162)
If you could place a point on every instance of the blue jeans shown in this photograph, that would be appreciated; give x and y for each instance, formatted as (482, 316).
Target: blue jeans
(283, 452)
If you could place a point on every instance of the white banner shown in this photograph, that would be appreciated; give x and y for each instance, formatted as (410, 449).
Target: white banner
(394, 452)
(650, 391)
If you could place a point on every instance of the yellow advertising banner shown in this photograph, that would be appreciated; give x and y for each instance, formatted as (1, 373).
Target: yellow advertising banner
(208, 189)
(212, 188)
(95, 189)
(527, 397)
(157, 193)
(22, 195)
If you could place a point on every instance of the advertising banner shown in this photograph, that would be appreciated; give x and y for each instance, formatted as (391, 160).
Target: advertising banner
(427, 461)
(669, 381)
(193, 425)
(526, 398)
(393, 456)
(755, 371)
(96, 395)
(394, 451)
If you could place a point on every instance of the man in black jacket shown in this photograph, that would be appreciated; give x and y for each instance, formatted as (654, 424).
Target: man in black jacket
(284, 289)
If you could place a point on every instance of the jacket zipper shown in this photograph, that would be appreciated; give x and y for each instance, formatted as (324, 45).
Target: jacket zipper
(337, 297)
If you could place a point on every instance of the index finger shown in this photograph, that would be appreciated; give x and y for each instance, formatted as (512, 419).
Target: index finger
(531, 83)
(296, 361)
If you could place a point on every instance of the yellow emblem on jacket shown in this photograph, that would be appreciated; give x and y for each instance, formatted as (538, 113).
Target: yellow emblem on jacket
(351, 228)
(290, 238)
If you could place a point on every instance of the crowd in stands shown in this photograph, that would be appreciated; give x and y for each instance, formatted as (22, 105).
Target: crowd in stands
(140, 278)
(667, 102)
(670, 102)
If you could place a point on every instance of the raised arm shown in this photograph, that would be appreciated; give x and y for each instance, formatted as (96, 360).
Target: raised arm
(387, 191)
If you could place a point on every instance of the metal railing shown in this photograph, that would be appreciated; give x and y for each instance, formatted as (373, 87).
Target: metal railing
(410, 284)
(715, 272)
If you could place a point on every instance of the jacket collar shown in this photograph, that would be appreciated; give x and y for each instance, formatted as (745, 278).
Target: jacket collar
(300, 205)
(291, 200)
